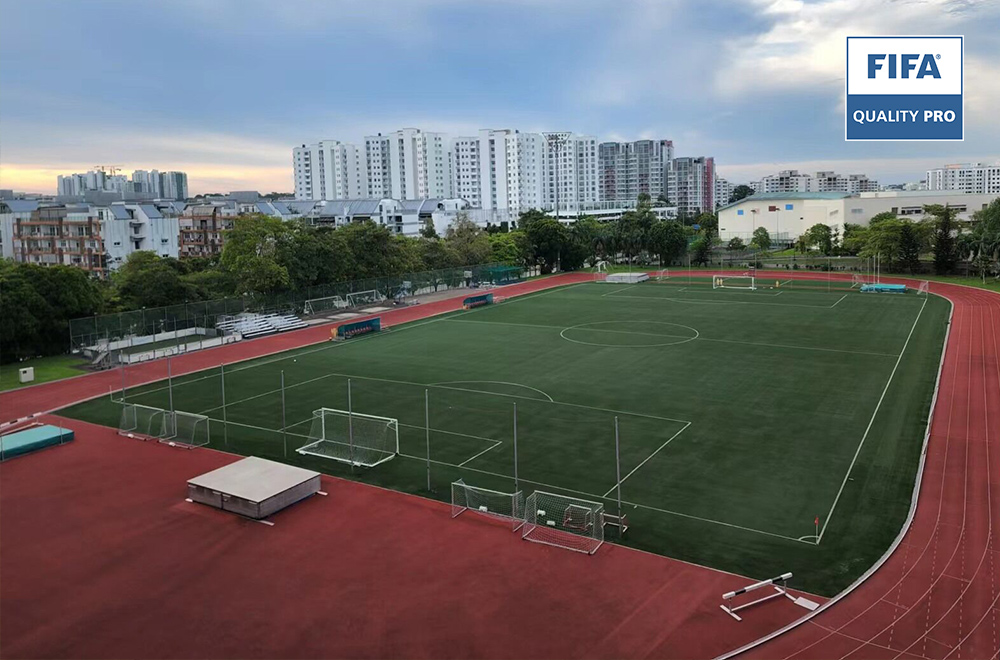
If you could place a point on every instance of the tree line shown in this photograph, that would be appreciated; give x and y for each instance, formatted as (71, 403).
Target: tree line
(265, 255)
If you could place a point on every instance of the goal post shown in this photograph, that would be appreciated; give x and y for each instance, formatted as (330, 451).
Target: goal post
(319, 305)
(174, 427)
(351, 437)
(563, 522)
(746, 282)
(507, 507)
(923, 288)
(858, 280)
(361, 298)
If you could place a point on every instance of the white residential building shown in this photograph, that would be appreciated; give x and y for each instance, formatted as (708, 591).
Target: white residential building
(784, 181)
(788, 181)
(143, 185)
(419, 164)
(525, 172)
(977, 178)
(329, 169)
(569, 172)
(723, 191)
(628, 169)
(691, 184)
(466, 170)
(377, 164)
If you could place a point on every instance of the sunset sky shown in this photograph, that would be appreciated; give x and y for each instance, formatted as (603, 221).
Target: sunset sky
(224, 89)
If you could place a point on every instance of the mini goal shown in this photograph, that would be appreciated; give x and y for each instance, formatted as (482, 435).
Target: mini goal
(172, 427)
(923, 288)
(320, 305)
(858, 280)
(362, 298)
(662, 274)
(507, 507)
(563, 522)
(350, 437)
(746, 281)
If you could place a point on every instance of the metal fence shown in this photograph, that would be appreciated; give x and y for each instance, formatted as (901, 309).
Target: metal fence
(90, 331)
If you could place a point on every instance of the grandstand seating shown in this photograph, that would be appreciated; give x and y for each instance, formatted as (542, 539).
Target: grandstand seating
(258, 325)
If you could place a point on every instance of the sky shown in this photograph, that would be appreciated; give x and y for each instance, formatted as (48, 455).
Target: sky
(224, 89)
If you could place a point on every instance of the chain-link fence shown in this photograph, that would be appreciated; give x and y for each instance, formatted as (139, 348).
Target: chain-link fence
(178, 325)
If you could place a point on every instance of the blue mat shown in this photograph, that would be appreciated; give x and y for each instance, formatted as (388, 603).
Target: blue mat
(23, 442)
(883, 288)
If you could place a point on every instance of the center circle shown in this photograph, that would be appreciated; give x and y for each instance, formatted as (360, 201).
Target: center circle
(628, 334)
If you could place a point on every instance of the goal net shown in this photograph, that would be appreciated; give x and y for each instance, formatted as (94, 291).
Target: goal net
(328, 304)
(508, 507)
(361, 298)
(858, 280)
(350, 437)
(564, 522)
(662, 274)
(174, 427)
(745, 281)
(924, 287)
(601, 270)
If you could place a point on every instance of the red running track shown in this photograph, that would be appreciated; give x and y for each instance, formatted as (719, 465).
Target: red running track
(103, 558)
(937, 595)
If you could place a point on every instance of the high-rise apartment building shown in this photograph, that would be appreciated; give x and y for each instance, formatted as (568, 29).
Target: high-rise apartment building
(143, 185)
(569, 172)
(629, 169)
(978, 178)
(329, 169)
(691, 184)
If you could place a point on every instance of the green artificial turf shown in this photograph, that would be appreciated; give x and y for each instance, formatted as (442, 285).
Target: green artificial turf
(741, 413)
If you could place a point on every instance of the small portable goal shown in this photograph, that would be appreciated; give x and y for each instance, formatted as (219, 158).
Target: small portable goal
(350, 437)
(563, 522)
(746, 281)
(506, 507)
(171, 427)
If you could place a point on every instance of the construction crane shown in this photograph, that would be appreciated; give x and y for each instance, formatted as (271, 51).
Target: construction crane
(110, 170)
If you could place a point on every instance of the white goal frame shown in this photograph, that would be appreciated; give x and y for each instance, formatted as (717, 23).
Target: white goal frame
(352, 449)
(924, 287)
(663, 274)
(719, 282)
(373, 297)
(858, 280)
(563, 522)
(507, 507)
(171, 427)
(601, 271)
(336, 302)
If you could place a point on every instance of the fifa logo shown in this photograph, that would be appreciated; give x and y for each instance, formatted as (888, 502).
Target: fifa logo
(907, 63)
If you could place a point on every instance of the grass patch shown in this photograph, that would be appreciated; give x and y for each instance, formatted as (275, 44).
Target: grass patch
(55, 367)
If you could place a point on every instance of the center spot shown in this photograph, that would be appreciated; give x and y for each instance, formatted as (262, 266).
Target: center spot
(629, 334)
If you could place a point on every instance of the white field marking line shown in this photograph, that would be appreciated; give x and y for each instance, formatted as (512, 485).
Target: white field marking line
(700, 338)
(495, 382)
(646, 460)
(409, 426)
(423, 459)
(838, 301)
(325, 346)
(871, 423)
(718, 302)
(611, 293)
(491, 448)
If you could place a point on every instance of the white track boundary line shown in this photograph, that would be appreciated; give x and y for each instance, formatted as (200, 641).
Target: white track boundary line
(646, 460)
(871, 423)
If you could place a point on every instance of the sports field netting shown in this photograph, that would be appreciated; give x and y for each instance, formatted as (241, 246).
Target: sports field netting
(743, 414)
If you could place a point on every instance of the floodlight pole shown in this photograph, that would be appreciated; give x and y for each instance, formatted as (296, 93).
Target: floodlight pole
(427, 434)
(516, 485)
(350, 424)
(225, 419)
(618, 475)
(284, 433)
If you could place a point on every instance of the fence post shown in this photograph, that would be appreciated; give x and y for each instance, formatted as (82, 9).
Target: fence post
(427, 433)
(225, 420)
(170, 384)
(121, 365)
(618, 475)
(284, 435)
(516, 486)
(350, 424)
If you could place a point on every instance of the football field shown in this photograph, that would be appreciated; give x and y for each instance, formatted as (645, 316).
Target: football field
(743, 416)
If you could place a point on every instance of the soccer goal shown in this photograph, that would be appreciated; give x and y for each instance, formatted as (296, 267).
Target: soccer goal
(320, 305)
(746, 282)
(362, 298)
(508, 507)
(662, 274)
(173, 427)
(924, 287)
(350, 437)
(563, 522)
(858, 280)
(601, 270)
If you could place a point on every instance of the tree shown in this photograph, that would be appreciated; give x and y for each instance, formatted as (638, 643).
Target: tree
(741, 191)
(701, 250)
(909, 248)
(708, 222)
(428, 230)
(149, 280)
(736, 244)
(983, 242)
(820, 236)
(437, 254)
(509, 248)
(945, 253)
(546, 236)
(250, 254)
(761, 239)
(668, 241)
(470, 243)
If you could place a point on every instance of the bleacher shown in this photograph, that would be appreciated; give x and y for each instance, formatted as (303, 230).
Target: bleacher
(249, 326)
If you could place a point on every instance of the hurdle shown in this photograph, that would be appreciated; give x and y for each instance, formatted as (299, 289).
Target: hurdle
(779, 591)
